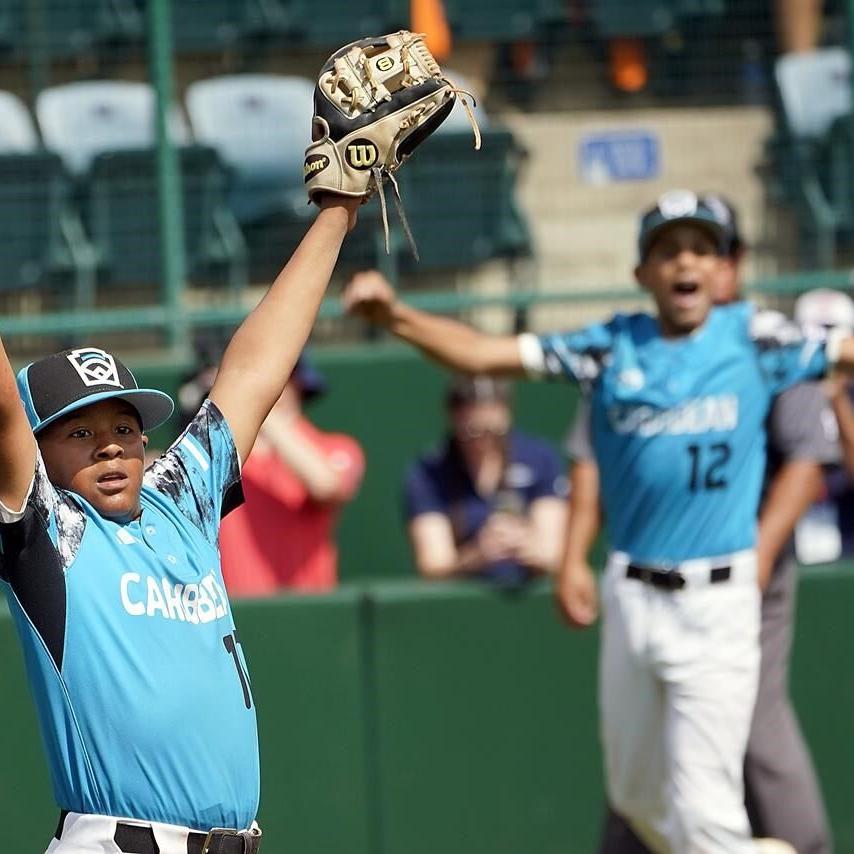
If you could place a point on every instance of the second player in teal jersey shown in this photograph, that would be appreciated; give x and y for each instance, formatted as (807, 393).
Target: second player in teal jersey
(678, 404)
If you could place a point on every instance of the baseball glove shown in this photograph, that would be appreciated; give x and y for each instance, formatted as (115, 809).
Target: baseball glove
(376, 100)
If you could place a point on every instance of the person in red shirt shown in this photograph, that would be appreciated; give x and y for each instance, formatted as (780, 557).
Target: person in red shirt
(294, 482)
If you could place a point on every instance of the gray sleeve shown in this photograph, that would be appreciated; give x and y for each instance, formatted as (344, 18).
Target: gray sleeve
(802, 425)
(578, 444)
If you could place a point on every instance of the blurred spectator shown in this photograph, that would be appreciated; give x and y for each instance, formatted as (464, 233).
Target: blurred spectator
(827, 530)
(490, 502)
(294, 482)
(798, 24)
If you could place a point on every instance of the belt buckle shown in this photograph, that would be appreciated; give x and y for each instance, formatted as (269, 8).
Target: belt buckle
(222, 831)
(675, 579)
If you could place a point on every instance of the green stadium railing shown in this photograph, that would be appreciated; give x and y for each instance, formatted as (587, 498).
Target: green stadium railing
(229, 314)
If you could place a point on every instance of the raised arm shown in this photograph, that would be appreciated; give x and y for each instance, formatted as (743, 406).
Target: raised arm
(17, 443)
(260, 357)
(444, 340)
(575, 588)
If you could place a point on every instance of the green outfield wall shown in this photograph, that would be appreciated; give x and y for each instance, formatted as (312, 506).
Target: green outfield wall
(403, 717)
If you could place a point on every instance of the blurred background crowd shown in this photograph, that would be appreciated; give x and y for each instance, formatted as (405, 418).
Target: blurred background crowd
(151, 185)
(150, 155)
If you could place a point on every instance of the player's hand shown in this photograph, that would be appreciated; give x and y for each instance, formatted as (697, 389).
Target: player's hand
(764, 569)
(577, 595)
(500, 538)
(370, 295)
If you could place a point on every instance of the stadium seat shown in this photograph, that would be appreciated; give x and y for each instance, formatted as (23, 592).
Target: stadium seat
(208, 25)
(810, 149)
(489, 20)
(337, 22)
(647, 18)
(455, 228)
(493, 19)
(81, 120)
(74, 27)
(11, 27)
(43, 243)
(121, 214)
(260, 125)
(640, 18)
(814, 89)
(17, 131)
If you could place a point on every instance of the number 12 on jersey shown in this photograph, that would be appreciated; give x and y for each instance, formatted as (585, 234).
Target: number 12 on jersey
(707, 464)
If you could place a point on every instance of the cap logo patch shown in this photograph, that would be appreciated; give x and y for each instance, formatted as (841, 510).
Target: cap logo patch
(95, 367)
(678, 203)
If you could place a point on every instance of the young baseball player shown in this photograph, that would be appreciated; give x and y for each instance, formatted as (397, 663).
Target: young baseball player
(782, 794)
(678, 403)
(113, 577)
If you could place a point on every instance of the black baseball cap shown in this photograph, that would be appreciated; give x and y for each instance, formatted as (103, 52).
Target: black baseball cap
(67, 381)
(682, 206)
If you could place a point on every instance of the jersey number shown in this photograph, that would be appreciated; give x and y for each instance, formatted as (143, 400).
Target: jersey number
(231, 643)
(707, 465)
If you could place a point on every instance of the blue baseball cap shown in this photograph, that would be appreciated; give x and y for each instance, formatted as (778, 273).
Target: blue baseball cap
(67, 381)
(683, 206)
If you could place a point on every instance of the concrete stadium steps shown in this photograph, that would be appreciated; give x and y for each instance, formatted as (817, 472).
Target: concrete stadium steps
(585, 234)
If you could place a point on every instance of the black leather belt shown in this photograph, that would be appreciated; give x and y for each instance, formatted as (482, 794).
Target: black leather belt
(138, 839)
(672, 579)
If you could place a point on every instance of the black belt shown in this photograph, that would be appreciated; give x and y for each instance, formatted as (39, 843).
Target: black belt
(672, 579)
(138, 839)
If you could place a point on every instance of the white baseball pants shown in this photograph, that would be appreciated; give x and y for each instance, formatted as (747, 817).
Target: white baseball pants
(677, 684)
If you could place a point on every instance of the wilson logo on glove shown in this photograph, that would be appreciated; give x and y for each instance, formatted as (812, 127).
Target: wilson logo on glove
(361, 154)
(375, 102)
(314, 164)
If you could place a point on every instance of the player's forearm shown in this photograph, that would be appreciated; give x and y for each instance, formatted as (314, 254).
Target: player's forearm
(260, 357)
(467, 559)
(265, 348)
(545, 535)
(17, 443)
(454, 344)
(793, 490)
(304, 459)
(585, 519)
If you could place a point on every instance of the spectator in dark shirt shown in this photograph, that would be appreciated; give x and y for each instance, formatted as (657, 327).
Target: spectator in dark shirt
(489, 502)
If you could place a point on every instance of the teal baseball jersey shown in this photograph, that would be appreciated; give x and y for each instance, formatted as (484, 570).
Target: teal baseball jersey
(140, 684)
(678, 423)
